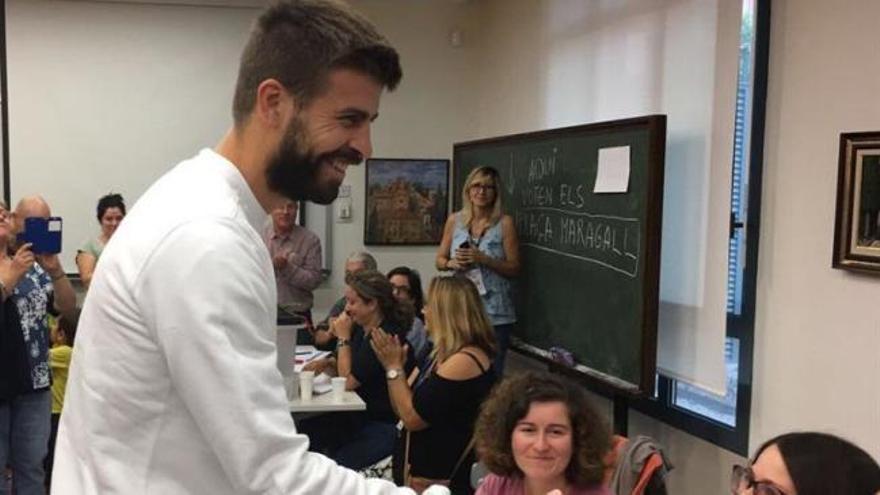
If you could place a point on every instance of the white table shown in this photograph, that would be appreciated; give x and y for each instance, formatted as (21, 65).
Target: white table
(324, 403)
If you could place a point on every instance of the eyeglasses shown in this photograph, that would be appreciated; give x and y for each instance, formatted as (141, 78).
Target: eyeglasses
(400, 289)
(743, 478)
(483, 187)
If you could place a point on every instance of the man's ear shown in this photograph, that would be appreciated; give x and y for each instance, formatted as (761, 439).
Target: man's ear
(274, 103)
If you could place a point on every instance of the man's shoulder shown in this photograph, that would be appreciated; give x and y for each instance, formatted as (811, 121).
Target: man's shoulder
(305, 234)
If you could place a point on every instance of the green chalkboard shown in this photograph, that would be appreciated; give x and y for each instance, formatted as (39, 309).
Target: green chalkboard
(591, 261)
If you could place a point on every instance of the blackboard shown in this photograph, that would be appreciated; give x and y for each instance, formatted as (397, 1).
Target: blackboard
(591, 261)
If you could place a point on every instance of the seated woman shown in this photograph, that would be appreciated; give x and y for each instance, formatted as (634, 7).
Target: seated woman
(538, 433)
(111, 210)
(407, 286)
(439, 411)
(357, 440)
(807, 463)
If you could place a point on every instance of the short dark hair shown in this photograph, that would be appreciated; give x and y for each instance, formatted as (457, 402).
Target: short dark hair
(68, 321)
(415, 286)
(112, 200)
(510, 402)
(820, 463)
(298, 42)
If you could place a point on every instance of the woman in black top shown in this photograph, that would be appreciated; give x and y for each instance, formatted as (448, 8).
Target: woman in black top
(358, 440)
(440, 409)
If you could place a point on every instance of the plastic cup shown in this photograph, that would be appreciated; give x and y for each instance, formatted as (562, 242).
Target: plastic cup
(291, 386)
(306, 384)
(338, 383)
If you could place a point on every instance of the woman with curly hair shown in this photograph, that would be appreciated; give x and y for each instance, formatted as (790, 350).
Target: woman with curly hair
(537, 433)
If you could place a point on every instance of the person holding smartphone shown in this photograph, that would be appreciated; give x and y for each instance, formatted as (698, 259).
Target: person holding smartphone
(29, 283)
(480, 243)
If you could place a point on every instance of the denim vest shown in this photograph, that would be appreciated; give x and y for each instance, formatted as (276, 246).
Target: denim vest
(498, 299)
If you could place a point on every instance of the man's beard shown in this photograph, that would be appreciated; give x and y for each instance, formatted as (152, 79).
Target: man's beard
(294, 172)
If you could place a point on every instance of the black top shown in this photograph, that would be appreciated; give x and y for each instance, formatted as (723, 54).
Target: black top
(369, 372)
(450, 408)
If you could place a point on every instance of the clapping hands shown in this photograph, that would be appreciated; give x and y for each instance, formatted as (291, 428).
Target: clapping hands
(388, 349)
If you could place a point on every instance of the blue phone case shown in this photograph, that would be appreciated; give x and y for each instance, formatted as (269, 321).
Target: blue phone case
(44, 234)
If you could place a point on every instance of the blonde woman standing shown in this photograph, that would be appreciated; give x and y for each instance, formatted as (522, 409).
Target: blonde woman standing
(480, 242)
(439, 410)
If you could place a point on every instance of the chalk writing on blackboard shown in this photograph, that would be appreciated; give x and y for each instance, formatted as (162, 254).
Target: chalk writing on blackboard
(606, 240)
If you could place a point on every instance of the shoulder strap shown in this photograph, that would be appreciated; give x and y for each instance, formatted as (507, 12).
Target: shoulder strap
(476, 360)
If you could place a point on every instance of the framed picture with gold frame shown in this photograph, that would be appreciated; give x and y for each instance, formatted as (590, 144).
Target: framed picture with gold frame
(857, 222)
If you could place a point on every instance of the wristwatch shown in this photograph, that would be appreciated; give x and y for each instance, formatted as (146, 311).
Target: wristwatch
(393, 373)
(341, 343)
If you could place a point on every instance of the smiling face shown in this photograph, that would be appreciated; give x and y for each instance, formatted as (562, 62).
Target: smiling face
(542, 442)
(482, 191)
(361, 312)
(401, 288)
(324, 138)
(284, 216)
(110, 221)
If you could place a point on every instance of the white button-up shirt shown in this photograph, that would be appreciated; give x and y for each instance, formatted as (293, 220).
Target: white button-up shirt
(173, 385)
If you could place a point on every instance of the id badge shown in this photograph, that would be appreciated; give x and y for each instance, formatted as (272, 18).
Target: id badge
(476, 276)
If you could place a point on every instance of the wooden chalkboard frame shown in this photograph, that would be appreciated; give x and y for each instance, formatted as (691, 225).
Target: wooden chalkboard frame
(656, 128)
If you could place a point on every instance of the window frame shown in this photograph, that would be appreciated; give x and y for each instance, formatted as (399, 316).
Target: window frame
(742, 326)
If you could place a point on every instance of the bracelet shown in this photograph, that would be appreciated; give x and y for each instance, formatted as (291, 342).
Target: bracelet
(59, 277)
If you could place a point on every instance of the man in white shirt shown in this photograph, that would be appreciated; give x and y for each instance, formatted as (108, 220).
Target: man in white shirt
(173, 386)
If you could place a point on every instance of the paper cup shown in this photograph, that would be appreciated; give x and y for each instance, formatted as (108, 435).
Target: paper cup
(338, 383)
(306, 384)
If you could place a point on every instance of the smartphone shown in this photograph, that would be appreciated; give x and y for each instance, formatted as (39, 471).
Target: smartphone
(44, 234)
(464, 245)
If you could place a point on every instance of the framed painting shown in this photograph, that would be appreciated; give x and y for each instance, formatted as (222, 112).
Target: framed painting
(857, 221)
(407, 201)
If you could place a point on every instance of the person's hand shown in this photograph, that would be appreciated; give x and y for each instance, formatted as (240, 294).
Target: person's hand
(51, 264)
(453, 264)
(318, 365)
(279, 262)
(469, 256)
(342, 326)
(22, 261)
(391, 354)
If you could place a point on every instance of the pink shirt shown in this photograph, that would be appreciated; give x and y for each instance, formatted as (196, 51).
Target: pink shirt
(302, 274)
(499, 485)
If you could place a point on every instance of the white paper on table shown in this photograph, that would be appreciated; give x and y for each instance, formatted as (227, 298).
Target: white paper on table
(306, 353)
(612, 175)
(322, 384)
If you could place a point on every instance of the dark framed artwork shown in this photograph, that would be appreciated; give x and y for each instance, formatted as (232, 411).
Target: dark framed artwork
(857, 222)
(407, 201)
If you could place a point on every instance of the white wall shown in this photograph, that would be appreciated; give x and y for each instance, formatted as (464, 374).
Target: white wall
(108, 96)
(817, 343)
